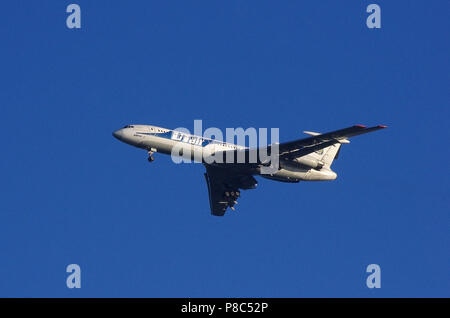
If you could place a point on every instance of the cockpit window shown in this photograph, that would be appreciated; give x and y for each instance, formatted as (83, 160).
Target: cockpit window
(129, 126)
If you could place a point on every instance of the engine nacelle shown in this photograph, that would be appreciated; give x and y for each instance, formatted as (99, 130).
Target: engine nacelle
(300, 164)
(296, 175)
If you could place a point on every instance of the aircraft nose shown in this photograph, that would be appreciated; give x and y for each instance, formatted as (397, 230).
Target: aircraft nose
(118, 134)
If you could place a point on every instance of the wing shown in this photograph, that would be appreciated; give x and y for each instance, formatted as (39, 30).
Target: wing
(224, 186)
(302, 147)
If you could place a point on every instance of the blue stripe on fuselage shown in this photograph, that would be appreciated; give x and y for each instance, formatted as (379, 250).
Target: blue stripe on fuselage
(185, 138)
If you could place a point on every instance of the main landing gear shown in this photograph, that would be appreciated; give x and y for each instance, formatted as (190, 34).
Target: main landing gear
(231, 197)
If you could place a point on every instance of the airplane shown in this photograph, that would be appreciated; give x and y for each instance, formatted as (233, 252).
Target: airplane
(307, 159)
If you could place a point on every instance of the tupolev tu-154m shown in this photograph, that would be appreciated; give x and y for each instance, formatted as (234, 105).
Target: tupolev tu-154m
(307, 159)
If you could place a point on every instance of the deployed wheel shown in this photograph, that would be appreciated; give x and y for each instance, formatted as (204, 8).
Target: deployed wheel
(150, 155)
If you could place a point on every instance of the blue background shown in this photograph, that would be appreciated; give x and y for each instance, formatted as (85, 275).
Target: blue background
(71, 193)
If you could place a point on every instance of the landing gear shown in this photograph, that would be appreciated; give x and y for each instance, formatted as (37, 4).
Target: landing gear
(150, 155)
(231, 198)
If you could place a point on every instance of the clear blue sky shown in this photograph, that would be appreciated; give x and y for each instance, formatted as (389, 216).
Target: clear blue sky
(71, 193)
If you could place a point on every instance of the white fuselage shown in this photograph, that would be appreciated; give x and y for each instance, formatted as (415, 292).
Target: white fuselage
(197, 148)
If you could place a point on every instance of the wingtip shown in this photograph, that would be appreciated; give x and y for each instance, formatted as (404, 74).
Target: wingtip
(378, 126)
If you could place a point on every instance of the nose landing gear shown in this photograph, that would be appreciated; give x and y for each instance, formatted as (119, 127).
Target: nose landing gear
(150, 155)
